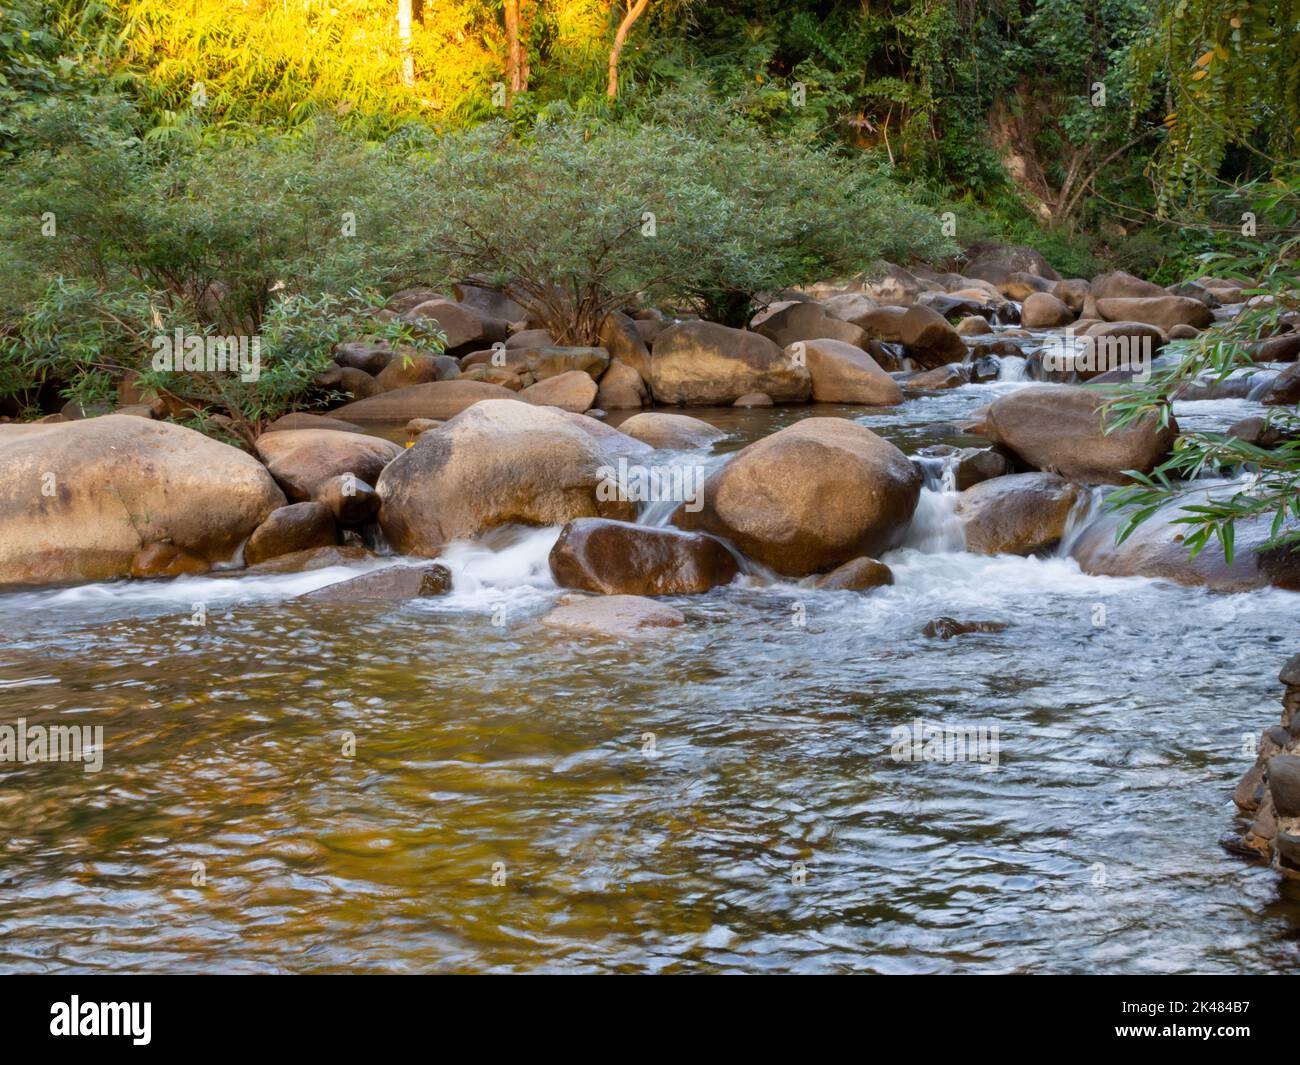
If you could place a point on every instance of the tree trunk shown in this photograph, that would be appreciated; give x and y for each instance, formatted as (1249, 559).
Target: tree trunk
(634, 11)
(404, 39)
(516, 60)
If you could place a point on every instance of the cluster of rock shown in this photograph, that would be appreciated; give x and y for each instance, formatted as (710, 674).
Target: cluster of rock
(506, 429)
(1269, 793)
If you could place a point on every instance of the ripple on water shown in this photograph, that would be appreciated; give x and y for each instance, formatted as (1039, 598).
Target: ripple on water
(650, 805)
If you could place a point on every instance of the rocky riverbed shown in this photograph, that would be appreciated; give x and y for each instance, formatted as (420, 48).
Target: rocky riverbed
(620, 688)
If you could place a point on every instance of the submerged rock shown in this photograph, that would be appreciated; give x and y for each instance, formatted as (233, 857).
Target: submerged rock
(392, 584)
(859, 575)
(945, 628)
(615, 616)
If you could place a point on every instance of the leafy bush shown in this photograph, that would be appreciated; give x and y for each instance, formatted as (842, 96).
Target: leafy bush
(1271, 489)
(86, 340)
(575, 218)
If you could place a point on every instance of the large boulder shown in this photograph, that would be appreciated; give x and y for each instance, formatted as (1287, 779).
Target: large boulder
(79, 500)
(810, 497)
(1059, 428)
(844, 373)
(808, 321)
(618, 558)
(620, 337)
(671, 431)
(928, 336)
(302, 460)
(1157, 548)
(573, 391)
(697, 363)
(463, 327)
(621, 388)
(1017, 514)
(439, 400)
(554, 361)
(413, 368)
(498, 462)
(1042, 310)
(1165, 311)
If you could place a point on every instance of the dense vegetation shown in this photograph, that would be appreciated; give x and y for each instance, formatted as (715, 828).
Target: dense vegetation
(256, 167)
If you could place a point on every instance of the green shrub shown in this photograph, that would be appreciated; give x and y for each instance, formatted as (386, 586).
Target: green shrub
(690, 203)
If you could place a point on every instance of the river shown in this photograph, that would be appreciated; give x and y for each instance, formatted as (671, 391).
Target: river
(444, 786)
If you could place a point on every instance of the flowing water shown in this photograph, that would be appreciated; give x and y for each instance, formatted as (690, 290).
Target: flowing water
(444, 786)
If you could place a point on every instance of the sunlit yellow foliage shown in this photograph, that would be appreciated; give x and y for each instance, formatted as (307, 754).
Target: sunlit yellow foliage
(280, 61)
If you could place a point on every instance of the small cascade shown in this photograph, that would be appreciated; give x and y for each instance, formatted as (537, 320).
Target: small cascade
(1086, 510)
(674, 478)
(1261, 383)
(1013, 368)
(509, 563)
(935, 528)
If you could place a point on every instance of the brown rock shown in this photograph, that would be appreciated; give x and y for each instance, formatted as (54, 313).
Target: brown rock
(1017, 514)
(808, 321)
(302, 460)
(500, 461)
(615, 616)
(311, 421)
(754, 399)
(298, 527)
(393, 584)
(621, 388)
(676, 432)
(544, 363)
(859, 575)
(166, 560)
(350, 500)
(573, 391)
(1058, 428)
(439, 400)
(78, 500)
(1164, 312)
(843, 373)
(617, 558)
(416, 369)
(699, 363)
(810, 497)
(1044, 311)
(929, 338)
